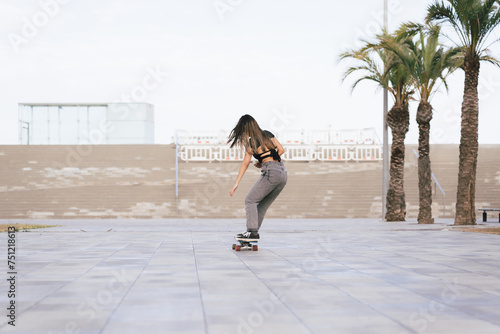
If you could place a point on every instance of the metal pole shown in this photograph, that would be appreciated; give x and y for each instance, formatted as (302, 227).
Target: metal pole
(78, 125)
(48, 124)
(20, 125)
(88, 123)
(30, 135)
(385, 149)
(176, 173)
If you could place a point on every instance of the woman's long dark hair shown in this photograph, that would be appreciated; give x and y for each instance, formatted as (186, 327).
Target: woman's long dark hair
(249, 135)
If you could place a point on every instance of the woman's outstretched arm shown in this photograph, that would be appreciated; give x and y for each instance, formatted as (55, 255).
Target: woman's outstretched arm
(243, 168)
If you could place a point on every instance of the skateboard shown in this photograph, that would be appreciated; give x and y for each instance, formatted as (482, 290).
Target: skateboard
(245, 245)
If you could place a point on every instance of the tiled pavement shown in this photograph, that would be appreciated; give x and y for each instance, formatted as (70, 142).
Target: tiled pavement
(309, 276)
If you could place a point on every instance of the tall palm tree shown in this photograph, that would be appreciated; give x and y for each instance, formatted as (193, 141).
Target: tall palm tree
(383, 67)
(473, 22)
(429, 64)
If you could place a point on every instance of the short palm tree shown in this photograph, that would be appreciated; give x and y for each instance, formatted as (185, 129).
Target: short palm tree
(473, 21)
(383, 67)
(429, 64)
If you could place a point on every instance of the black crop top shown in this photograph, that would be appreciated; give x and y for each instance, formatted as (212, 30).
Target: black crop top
(272, 152)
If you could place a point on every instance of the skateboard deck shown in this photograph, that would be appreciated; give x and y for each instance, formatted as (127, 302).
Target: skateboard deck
(245, 245)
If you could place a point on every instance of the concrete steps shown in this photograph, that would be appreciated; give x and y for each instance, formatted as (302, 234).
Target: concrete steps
(138, 181)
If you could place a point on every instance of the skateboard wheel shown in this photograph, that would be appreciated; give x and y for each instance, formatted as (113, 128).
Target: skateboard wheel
(255, 247)
(234, 245)
(237, 248)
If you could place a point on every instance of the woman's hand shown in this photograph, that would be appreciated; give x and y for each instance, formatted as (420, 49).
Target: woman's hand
(258, 165)
(244, 166)
(233, 190)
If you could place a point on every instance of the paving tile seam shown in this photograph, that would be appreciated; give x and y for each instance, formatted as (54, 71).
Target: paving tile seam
(348, 294)
(131, 286)
(418, 260)
(438, 301)
(43, 252)
(430, 276)
(271, 290)
(58, 289)
(200, 230)
(442, 252)
(205, 324)
(477, 317)
(451, 257)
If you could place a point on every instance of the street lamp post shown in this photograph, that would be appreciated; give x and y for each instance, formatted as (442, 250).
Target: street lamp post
(176, 173)
(385, 148)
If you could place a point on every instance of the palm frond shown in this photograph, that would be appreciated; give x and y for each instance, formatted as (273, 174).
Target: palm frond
(472, 20)
(378, 64)
(490, 59)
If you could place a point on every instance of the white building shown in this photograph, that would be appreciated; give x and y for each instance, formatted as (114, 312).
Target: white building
(86, 123)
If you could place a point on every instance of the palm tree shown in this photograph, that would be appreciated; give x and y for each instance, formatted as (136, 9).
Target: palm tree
(473, 22)
(383, 67)
(429, 64)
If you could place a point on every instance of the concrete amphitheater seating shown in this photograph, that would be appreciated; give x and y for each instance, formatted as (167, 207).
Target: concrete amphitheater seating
(138, 181)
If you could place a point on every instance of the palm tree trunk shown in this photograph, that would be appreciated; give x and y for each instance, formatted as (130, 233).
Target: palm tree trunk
(424, 117)
(398, 120)
(466, 189)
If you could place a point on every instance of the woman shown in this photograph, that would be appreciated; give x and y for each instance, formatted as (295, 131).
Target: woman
(267, 150)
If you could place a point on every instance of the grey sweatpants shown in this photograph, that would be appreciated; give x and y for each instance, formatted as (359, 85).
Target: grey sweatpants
(263, 193)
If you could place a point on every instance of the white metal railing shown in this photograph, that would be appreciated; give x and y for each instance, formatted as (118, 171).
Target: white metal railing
(323, 152)
(366, 136)
(368, 152)
(318, 137)
(337, 137)
(332, 153)
(196, 153)
(298, 153)
(184, 137)
(290, 137)
(230, 154)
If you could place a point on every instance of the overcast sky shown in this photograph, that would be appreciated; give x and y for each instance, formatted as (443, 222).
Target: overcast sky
(204, 63)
